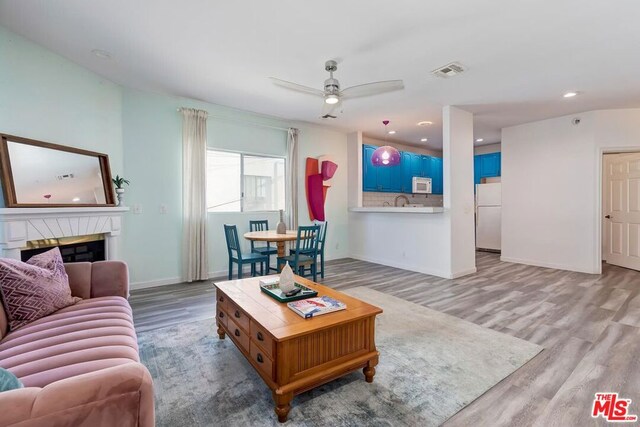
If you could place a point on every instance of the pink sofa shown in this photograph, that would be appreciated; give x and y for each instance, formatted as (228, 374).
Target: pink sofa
(79, 365)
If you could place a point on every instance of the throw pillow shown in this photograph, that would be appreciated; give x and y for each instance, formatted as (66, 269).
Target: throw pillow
(34, 289)
(8, 381)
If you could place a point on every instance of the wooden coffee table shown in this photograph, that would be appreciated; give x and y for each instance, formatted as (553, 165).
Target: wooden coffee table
(292, 354)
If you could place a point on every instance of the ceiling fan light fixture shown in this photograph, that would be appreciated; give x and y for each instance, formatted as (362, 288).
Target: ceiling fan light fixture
(331, 99)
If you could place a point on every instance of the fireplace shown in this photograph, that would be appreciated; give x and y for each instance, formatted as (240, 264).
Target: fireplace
(73, 249)
(82, 233)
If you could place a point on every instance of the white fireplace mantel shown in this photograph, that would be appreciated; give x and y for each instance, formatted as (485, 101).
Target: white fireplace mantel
(21, 225)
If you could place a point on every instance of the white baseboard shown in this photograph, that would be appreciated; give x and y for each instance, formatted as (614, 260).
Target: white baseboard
(154, 283)
(410, 267)
(464, 273)
(549, 265)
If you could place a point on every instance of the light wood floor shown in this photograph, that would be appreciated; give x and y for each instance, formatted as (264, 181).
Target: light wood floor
(588, 324)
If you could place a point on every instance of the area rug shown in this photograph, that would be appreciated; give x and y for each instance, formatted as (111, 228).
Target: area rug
(431, 366)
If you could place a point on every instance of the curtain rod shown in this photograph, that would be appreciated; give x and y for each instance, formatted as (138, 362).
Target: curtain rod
(211, 116)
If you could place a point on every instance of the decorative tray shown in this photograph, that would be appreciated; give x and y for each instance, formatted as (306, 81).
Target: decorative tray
(274, 292)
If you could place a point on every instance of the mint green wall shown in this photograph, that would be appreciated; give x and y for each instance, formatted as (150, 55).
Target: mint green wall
(44, 96)
(152, 136)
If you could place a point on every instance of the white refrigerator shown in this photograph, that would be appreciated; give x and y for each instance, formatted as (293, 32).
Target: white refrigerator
(489, 216)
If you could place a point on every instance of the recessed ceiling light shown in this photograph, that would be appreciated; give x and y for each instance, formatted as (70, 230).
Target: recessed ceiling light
(479, 140)
(75, 199)
(425, 123)
(423, 140)
(102, 54)
(570, 94)
(391, 132)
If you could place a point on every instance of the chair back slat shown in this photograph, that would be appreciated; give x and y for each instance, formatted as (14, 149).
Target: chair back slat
(323, 233)
(259, 225)
(307, 240)
(233, 244)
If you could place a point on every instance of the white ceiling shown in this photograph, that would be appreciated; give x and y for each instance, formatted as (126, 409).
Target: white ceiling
(521, 55)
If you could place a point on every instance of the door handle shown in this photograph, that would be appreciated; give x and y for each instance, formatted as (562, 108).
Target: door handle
(608, 216)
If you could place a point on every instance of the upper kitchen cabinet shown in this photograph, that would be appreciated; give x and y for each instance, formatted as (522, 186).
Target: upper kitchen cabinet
(486, 166)
(399, 179)
(369, 172)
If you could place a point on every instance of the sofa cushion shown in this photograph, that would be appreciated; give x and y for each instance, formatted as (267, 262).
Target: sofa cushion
(34, 289)
(92, 334)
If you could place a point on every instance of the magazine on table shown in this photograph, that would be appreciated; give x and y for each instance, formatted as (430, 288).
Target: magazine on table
(316, 306)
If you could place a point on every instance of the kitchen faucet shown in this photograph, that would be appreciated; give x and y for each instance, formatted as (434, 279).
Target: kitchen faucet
(401, 196)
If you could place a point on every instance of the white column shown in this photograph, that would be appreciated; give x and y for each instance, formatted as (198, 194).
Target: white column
(457, 151)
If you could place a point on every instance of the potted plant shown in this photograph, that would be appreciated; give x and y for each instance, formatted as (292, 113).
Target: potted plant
(119, 181)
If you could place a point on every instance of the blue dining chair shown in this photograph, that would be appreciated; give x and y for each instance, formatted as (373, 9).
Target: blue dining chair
(321, 240)
(263, 225)
(235, 253)
(306, 253)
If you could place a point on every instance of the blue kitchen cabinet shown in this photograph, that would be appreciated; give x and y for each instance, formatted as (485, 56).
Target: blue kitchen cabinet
(427, 171)
(406, 166)
(369, 172)
(486, 166)
(399, 179)
(436, 175)
(395, 178)
(490, 165)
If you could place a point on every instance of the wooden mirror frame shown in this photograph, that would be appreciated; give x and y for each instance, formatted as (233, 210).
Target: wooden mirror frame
(8, 186)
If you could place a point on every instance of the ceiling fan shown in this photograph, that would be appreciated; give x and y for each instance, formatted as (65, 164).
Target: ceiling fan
(332, 93)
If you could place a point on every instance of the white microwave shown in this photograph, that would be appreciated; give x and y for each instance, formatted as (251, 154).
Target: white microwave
(421, 185)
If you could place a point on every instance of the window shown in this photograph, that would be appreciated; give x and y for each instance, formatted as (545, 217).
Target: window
(239, 182)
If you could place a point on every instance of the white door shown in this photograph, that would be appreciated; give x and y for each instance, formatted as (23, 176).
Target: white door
(622, 209)
(488, 227)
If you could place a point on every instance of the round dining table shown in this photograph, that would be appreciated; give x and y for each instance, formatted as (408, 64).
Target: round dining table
(273, 236)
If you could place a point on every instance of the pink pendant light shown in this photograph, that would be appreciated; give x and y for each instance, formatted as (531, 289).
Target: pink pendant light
(385, 155)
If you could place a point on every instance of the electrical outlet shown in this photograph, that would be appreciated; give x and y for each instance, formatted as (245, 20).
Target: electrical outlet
(137, 209)
(163, 209)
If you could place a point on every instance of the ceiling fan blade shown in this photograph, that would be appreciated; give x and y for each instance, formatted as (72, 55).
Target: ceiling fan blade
(297, 87)
(330, 111)
(369, 89)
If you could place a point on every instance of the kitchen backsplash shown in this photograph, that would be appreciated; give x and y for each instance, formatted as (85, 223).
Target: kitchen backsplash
(372, 199)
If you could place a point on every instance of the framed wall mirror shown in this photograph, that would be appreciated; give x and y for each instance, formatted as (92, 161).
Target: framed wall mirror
(40, 174)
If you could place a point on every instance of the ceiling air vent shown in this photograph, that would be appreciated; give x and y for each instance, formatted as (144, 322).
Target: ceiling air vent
(449, 70)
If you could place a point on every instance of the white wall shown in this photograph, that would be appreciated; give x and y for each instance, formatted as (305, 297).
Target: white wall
(551, 187)
(486, 149)
(46, 97)
(153, 148)
(458, 187)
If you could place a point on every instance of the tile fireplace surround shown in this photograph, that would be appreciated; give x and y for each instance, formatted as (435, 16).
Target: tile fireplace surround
(21, 225)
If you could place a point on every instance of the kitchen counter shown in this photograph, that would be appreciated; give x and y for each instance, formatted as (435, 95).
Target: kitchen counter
(391, 209)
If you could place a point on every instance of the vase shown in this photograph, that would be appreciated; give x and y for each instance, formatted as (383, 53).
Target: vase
(287, 283)
(120, 194)
(281, 228)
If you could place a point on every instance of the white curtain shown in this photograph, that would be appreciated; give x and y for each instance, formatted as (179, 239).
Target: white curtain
(194, 194)
(291, 209)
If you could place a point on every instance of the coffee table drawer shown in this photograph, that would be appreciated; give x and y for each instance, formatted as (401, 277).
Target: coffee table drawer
(238, 316)
(238, 335)
(261, 337)
(221, 315)
(222, 300)
(264, 362)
